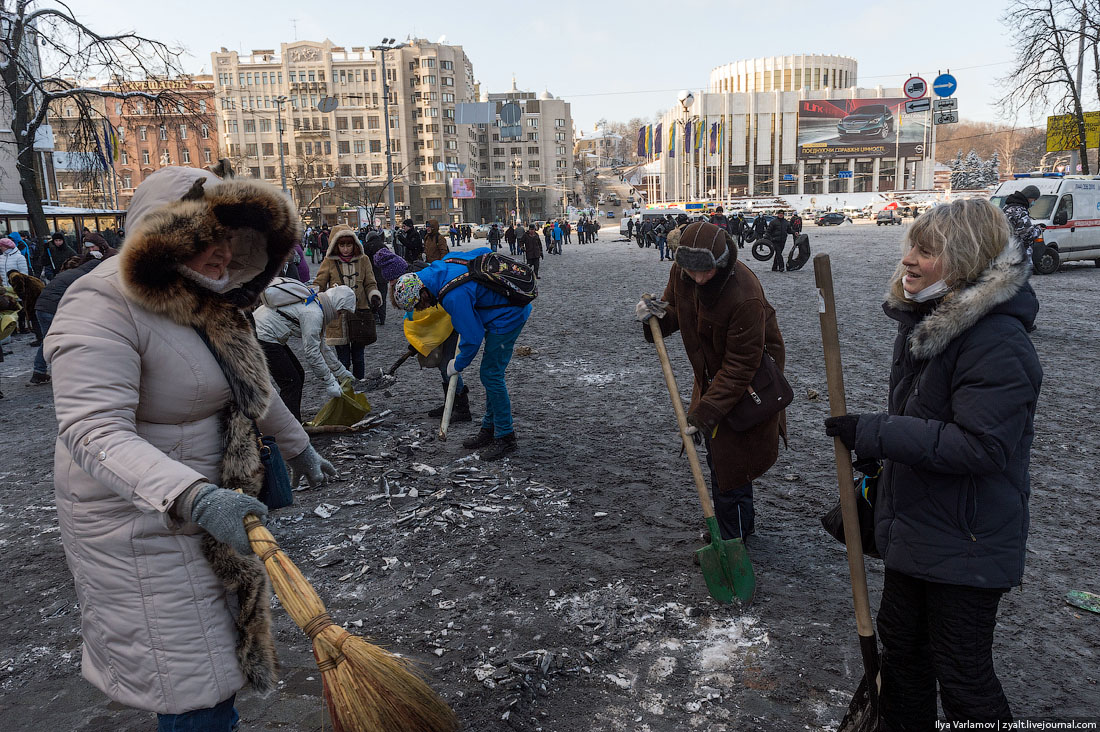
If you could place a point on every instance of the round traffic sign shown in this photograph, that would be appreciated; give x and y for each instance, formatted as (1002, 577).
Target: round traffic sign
(328, 104)
(915, 87)
(945, 85)
(510, 113)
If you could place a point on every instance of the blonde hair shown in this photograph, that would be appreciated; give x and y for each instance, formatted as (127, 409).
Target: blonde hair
(966, 235)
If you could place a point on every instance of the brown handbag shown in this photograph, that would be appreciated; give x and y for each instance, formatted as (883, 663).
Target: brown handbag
(361, 328)
(769, 392)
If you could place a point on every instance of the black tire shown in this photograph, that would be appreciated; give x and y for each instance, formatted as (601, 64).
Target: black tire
(800, 253)
(1048, 262)
(762, 251)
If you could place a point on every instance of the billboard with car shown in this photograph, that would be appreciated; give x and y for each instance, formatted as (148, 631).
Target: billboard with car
(860, 128)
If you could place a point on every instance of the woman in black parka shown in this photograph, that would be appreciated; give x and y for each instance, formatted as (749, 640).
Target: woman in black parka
(951, 516)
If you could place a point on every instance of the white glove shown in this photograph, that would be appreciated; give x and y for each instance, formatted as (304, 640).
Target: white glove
(333, 390)
(451, 370)
(646, 309)
(691, 430)
(344, 375)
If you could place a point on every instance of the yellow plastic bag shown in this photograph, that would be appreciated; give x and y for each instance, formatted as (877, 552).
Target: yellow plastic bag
(428, 328)
(345, 410)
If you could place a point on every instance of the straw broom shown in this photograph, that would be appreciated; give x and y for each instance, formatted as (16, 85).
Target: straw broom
(368, 689)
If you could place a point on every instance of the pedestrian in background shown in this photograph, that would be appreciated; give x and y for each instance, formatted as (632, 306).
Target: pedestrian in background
(412, 245)
(711, 292)
(567, 229)
(347, 264)
(951, 510)
(777, 231)
(1017, 209)
(11, 260)
(510, 237)
(532, 247)
(494, 237)
(46, 307)
(375, 242)
(435, 246)
(452, 231)
(556, 236)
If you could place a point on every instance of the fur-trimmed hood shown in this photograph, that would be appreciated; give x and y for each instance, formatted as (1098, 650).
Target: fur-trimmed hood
(178, 212)
(341, 231)
(1002, 287)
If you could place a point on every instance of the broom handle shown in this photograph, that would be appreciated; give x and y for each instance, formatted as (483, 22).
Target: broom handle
(830, 341)
(681, 419)
(452, 388)
(403, 359)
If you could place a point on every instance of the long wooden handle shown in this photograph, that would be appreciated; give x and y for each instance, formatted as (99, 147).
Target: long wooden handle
(452, 387)
(403, 359)
(681, 419)
(830, 341)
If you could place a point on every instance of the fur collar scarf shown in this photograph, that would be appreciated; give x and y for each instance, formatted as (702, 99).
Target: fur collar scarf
(262, 227)
(960, 310)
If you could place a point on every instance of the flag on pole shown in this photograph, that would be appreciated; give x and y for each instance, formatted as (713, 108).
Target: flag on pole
(641, 142)
(699, 135)
(110, 140)
(687, 137)
(672, 140)
(649, 140)
(657, 140)
(721, 135)
(713, 138)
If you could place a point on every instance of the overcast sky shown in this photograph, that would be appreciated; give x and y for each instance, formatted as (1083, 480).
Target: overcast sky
(613, 60)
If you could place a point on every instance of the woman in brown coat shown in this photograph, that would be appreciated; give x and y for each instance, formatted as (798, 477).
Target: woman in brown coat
(435, 245)
(718, 305)
(346, 264)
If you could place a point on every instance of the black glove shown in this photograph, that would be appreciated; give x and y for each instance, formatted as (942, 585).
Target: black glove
(843, 427)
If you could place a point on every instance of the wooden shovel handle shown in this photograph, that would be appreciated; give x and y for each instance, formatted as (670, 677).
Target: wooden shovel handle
(452, 387)
(681, 419)
(834, 373)
(403, 359)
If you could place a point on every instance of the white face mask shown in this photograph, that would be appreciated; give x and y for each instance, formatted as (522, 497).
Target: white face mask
(931, 292)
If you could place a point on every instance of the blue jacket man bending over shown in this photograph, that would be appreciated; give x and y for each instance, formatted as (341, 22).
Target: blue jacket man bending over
(478, 314)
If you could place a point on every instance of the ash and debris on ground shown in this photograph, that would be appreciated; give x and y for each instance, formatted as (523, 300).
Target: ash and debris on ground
(554, 591)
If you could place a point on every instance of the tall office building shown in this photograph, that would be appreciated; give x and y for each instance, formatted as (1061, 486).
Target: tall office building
(335, 160)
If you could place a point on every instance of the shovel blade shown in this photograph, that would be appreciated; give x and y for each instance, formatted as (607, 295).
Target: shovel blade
(727, 570)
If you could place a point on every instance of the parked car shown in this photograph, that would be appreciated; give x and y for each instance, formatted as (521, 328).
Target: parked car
(481, 231)
(870, 120)
(832, 219)
(887, 217)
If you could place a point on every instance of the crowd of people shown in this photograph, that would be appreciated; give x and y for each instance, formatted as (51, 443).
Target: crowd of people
(157, 453)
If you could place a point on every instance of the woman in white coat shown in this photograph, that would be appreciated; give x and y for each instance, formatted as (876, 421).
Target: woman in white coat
(306, 319)
(163, 381)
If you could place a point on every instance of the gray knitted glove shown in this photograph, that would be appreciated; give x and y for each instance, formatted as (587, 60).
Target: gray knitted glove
(310, 464)
(221, 512)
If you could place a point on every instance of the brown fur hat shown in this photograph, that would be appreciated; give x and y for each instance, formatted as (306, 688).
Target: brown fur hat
(703, 247)
(177, 212)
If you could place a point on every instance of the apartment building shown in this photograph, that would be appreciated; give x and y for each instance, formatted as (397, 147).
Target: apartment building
(336, 160)
(150, 136)
(534, 169)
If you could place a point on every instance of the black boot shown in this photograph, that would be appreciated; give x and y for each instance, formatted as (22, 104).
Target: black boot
(461, 411)
(501, 446)
(437, 413)
(483, 438)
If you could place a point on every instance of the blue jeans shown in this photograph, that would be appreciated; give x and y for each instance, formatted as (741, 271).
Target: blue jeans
(44, 320)
(498, 408)
(352, 358)
(661, 241)
(222, 717)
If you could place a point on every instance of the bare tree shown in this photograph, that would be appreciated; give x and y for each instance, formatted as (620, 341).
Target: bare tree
(1047, 36)
(45, 52)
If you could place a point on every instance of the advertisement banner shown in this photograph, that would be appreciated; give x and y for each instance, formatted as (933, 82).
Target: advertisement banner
(860, 128)
(462, 188)
(1062, 132)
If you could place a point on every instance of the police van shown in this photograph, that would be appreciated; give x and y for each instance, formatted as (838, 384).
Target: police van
(1068, 208)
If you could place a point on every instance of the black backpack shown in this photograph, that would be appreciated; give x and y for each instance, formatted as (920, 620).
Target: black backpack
(500, 274)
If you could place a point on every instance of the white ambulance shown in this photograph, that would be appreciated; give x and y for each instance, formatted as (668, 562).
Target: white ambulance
(1068, 208)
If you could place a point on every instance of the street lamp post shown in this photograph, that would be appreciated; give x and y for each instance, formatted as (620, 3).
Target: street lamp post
(279, 102)
(387, 45)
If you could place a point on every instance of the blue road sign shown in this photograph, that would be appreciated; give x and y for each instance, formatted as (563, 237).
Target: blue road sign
(788, 176)
(844, 174)
(945, 85)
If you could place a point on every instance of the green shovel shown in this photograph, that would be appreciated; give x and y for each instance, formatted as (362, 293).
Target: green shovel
(725, 562)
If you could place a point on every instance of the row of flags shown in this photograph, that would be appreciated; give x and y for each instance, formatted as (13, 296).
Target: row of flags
(108, 146)
(651, 137)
